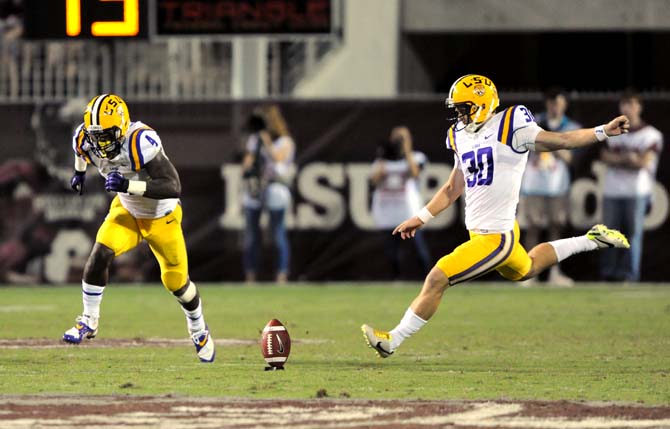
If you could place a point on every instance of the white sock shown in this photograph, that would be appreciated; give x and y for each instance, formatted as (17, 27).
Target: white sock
(567, 247)
(194, 318)
(92, 296)
(408, 326)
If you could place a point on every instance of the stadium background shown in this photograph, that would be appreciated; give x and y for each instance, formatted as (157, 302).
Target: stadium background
(341, 85)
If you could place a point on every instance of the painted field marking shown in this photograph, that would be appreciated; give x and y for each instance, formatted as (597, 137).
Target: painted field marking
(53, 343)
(186, 413)
(26, 308)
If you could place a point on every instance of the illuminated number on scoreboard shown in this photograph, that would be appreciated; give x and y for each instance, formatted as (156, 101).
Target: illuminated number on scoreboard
(130, 26)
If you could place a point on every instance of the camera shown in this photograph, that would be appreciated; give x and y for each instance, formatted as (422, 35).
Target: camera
(256, 123)
(392, 149)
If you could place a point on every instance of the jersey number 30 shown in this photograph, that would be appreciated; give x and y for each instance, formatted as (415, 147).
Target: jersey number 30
(480, 166)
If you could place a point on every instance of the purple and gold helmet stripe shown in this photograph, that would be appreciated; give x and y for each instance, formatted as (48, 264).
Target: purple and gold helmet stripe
(95, 110)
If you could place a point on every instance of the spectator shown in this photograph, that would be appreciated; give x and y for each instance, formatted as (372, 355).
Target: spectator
(631, 168)
(396, 194)
(267, 166)
(25, 236)
(546, 182)
(11, 30)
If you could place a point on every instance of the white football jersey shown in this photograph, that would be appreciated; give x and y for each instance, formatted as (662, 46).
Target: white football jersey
(493, 160)
(140, 146)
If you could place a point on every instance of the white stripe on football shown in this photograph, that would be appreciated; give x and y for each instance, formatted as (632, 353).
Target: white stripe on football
(274, 328)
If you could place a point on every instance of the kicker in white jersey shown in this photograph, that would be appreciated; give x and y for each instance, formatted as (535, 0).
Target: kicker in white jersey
(493, 159)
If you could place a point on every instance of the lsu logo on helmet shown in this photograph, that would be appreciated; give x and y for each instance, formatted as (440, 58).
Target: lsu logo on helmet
(106, 121)
(473, 99)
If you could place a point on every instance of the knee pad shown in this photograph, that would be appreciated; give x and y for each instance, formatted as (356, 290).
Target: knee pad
(173, 279)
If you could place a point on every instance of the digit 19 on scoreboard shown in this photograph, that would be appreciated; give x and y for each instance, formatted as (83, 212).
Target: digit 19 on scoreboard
(74, 19)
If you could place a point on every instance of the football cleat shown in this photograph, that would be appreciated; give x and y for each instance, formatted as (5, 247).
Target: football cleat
(380, 341)
(85, 328)
(204, 345)
(605, 237)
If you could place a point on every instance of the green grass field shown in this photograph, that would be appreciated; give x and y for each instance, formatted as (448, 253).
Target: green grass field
(486, 342)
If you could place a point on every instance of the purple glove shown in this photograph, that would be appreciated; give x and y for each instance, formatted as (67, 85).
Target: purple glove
(116, 182)
(77, 181)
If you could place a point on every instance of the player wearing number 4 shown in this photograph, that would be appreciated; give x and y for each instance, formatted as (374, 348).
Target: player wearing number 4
(130, 156)
(490, 154)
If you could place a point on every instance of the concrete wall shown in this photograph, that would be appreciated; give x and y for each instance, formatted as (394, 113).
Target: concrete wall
(499, 15)
(366, 64)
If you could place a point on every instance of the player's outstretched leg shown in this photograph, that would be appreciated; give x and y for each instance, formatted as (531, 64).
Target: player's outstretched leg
(545, 255)
(423, 307)
(95, 273)
(189, 298)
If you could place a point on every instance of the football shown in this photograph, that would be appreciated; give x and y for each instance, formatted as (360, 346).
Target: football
(275, 344)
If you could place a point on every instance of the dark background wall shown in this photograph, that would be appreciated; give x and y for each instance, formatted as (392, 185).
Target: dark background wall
(200, 138)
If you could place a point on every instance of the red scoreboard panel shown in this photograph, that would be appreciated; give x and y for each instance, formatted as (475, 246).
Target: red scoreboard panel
(191, 17)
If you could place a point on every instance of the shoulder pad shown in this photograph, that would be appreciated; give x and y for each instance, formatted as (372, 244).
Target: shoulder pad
(513, 118)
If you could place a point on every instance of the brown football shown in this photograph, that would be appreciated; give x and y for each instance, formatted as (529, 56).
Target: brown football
(275, 344)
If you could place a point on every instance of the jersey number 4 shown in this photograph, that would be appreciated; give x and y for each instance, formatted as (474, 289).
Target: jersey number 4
(480, 167)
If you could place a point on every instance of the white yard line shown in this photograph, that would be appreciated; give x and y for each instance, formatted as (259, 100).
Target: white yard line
(43, 343)
(26, 308)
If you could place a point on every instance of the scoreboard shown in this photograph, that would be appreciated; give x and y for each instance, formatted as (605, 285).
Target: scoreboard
(73, 19)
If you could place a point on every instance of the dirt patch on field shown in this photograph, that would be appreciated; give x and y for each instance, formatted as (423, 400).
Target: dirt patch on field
(186, 412)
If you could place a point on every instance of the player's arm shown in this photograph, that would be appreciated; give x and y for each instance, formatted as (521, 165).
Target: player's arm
(80, 164)
(164, 181)
(548, 141)
(79, 176)
(448, 193)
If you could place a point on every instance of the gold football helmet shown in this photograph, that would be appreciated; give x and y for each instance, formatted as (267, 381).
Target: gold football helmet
(106, 121)
(473, 99)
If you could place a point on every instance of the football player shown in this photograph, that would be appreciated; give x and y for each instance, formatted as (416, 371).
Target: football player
(490, 153)
(131, 159)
